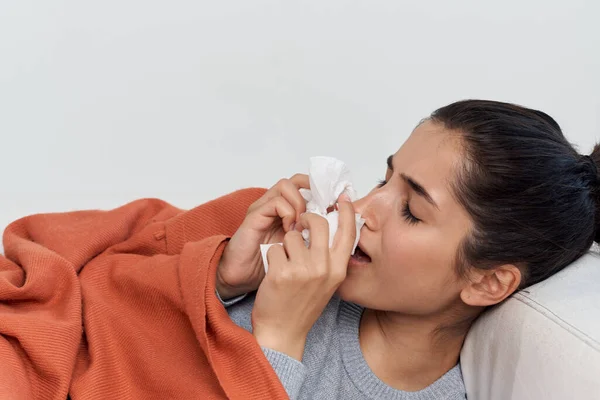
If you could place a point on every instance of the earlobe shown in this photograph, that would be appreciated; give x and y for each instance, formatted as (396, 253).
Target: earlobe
(489, 287)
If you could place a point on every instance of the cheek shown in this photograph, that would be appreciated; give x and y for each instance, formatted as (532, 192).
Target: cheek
(418, 257)
(407, 249)
(424, 273)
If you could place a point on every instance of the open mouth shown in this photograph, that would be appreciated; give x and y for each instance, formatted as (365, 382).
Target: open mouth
(360, 256)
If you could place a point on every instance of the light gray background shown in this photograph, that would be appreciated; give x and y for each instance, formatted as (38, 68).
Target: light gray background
(103, 102)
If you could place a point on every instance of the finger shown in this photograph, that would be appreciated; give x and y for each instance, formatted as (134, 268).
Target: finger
(276, 258)
(344, 197)
(301, 181)
(298, 180)
(290, 192)
(271, 193)
(318, 228)
(294, 246)
(275, 209)
(346, 233)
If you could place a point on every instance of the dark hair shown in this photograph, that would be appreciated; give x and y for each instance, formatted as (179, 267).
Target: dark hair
(533, 199)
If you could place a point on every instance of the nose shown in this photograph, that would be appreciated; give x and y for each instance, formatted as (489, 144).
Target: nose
(367, 208)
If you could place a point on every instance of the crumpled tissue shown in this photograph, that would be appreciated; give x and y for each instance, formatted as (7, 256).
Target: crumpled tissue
(329, 178)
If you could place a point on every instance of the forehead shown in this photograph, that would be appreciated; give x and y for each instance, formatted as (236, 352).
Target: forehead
(431, 156)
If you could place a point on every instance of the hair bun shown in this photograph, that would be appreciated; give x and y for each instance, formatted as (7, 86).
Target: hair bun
(592, 168)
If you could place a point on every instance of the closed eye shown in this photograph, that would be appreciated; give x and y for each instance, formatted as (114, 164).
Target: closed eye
(408, 215)
(406, 212)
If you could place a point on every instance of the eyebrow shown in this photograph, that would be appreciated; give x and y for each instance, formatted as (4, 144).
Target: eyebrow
(415, 186)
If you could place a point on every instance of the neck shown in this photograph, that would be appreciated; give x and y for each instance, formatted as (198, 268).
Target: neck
(410, 353)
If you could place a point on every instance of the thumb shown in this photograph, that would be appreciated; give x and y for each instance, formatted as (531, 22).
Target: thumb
(346, 233)
(344, 197)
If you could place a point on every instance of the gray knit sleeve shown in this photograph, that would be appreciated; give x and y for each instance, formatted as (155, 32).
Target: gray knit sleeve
(230, 302)
(290, 371)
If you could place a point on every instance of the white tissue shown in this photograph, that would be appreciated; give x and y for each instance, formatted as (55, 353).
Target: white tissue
(328, 178)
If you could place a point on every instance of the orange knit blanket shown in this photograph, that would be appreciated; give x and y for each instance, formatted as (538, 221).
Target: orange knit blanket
(121, 304)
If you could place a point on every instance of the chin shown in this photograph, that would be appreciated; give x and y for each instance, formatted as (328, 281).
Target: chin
(349, 292)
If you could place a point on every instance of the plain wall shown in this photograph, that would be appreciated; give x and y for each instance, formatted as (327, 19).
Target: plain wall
(105, 102)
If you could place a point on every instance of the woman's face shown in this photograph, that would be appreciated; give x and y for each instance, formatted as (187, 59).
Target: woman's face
(412, 231)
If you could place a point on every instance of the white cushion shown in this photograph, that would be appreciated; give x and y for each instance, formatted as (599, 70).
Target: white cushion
(542, 343)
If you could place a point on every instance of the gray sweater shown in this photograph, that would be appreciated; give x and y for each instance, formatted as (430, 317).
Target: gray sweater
(333, 366)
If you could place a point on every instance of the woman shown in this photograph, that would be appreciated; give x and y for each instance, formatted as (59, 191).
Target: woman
(483, 199)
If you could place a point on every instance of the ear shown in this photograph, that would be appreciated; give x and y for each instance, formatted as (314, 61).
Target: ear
(489, 287)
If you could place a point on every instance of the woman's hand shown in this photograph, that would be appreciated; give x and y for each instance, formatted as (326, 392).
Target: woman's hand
(241, 268)
(301, 281)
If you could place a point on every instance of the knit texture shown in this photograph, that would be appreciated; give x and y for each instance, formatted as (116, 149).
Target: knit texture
(333, 366)
(121, 304)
